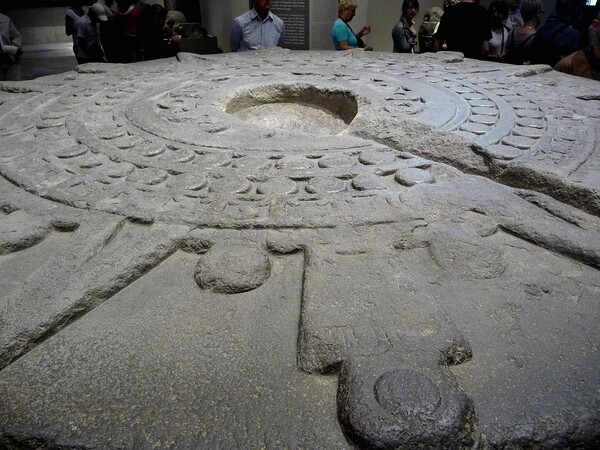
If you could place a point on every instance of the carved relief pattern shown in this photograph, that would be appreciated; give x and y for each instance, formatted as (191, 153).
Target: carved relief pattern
(307, 249)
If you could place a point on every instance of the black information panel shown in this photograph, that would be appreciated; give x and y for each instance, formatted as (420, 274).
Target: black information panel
(295, 16)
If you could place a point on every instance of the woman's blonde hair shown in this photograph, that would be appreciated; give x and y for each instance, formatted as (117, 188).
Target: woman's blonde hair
(343, 5)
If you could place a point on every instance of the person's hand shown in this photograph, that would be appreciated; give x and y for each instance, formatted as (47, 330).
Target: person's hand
(176, 37)
(412, 30)
(365, 30)
(368, 48)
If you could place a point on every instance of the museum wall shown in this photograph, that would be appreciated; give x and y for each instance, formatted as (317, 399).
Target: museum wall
(40, 26)
(217, 19)
(383, 15)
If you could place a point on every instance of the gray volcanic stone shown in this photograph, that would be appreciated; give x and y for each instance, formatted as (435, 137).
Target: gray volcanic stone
(300, 250)
(19, 230)
(233, 267)
(410, 177)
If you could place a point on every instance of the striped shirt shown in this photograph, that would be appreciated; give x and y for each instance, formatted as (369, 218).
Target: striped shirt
(248, 32)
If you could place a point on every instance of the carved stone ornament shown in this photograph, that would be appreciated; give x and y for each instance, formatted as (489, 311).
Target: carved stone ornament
(300, 250)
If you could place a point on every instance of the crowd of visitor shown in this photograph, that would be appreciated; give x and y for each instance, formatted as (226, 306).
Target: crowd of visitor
(521, 37)
(509, 31)
(568, 41)
(121, 31)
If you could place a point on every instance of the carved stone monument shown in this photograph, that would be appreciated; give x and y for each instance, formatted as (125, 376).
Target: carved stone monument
(300, 250)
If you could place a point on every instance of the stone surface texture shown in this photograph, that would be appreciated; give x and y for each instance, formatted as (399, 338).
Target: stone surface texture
(300, 250)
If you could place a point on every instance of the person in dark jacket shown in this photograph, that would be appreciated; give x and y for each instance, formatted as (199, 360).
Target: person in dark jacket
(586, 62)
(557, 38)
(404, 33)
(464, 28)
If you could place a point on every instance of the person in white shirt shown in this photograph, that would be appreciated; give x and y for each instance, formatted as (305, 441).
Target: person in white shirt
(87, 39)
(74, 14)
(498, 14)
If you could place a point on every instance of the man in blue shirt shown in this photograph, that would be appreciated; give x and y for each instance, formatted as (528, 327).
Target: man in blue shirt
(257, 28)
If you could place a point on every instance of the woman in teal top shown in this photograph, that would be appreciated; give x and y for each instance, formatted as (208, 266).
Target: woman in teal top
(341, 33)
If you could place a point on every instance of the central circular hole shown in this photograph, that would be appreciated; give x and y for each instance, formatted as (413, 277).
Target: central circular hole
(295, 107)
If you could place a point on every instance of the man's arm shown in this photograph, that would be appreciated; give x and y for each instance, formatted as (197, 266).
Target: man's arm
(235, 36)
(80, 36)
(68, 25)
(486, 35)
(485, 50)
(340, 34)
(439, 35)
(15, 36)
(281, 36)
(565, 65)
(345, 46)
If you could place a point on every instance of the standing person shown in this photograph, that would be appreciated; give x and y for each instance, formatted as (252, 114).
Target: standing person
(341, 33)
(108, 31)
(498, 14)
(557, 38)
(126, 30)
(465, 28)
(514, 18)
(431, 20)
(404, 33)
(447, 4)
(520, 39)
(74, 14)
(256, 28)
(156, 41)
(87, 39)
(586, 62)
(10, 50)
